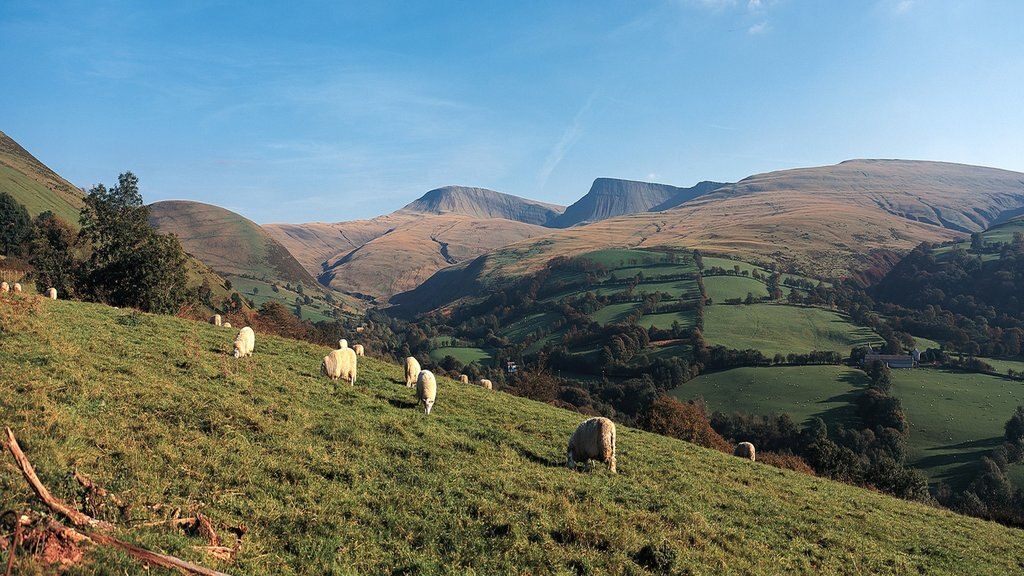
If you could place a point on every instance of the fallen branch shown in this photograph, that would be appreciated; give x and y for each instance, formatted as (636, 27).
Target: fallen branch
(98, 490)
(78, 518)
(98, 537)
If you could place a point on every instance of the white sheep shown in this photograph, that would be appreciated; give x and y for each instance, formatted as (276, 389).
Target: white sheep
(216, 321)
(412, 371)
(594, 439)
(745, 450)
(51, 293)
(342, 344)
(426, 389)
(464, 379)
(359, 349)
(17, 287)
(340, 363)
(227, 325)
(5, 287)
(486, 383)
(245, 342)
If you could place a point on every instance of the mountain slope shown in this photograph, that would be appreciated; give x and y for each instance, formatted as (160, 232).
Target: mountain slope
(226, 241)
(34, 185)
(408, 254)
(610, 197)
(332, 478)
(483, 204)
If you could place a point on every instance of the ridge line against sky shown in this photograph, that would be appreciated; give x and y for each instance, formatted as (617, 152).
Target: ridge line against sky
(330, 111)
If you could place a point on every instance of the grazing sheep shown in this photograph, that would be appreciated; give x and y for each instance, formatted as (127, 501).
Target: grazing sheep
(426, 389)
(17, 287)
(359, 330)
(342, 344)
(486, 383)
(216, 320)
(745, 450)
(340, 363)
(245, 342)
(359, 349)
(464, 379)
(5, 287)
(51, 293)
(227, 325)
(412, 371)
(594, 439)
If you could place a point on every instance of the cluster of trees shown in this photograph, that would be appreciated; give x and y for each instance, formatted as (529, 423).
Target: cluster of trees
(115, 258)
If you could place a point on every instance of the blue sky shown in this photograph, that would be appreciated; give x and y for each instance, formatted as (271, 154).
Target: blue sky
(330, 111)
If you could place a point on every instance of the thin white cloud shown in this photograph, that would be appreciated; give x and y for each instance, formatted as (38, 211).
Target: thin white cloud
(569, 137)
(759, 28)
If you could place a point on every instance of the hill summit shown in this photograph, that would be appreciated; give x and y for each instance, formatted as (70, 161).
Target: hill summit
(483, 203)
(610, 197)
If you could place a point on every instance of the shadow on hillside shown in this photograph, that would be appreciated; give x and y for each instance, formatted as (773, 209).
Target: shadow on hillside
(538, 458)
(402, 404)
(988, 443)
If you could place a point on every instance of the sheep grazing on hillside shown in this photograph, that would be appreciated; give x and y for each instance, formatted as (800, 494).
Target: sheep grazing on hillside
(245, 342)
(359, 349)
(51, 293)
(426, 389)
(412, 371)
(342, 344)
(745, 450)
(5, 287)
(486, 383)
(215, 320)
(340, 363)
(594, 439)
(464, 379)
(17, 288)
(227, 325)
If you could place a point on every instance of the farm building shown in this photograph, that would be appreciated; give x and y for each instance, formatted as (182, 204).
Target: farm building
(891, 360)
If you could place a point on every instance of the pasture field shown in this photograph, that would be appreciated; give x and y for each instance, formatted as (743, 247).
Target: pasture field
(335, 479)
(803, 392)
(613, 313)
(464, 354)
(955, 418)
(773, 328)
(314, 312)
(728, 264)
(1001, 365)
(722, 288)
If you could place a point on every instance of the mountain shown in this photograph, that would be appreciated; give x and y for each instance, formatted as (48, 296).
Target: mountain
(483, 203)
(825, 222)
(34, 185)
(227, 242)
(610, 197)
(334, 478)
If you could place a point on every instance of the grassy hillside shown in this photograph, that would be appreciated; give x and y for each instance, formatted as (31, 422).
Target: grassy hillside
(333, 479)
(773, 328)
(34, 185)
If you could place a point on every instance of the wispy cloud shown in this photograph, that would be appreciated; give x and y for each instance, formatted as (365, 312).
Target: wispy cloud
(904, 6)
(569, 137)
(759, 28)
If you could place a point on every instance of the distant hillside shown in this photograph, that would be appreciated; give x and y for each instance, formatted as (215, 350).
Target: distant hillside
(482, 203)
(609, 197)
(226, 241)
(329, 478)
(405, 256)
(34, 185)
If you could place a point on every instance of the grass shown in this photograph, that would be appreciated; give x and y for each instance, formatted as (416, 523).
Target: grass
(773, 329)
(1001, 366)
(722, 288)
(464, 354)
(955, 418)
(332, 479)
(614, 312)
(803, 392)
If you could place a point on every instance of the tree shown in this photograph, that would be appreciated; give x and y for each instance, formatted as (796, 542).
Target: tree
(51, 253)
(131, 264)
(15, 225)
(1015, 427)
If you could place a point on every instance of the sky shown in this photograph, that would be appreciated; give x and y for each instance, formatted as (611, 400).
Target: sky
(337, 110)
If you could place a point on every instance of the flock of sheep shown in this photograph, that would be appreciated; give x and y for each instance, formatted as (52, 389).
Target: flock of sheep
(51, 293)
(594, 438)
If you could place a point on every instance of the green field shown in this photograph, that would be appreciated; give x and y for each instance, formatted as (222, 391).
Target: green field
(1001, 365)
(803, 392)
(315, 312)
(664, 321)
(711, 262)
(614, 312)
(955, 418)
(722, 288)
(333, 479)
(464, 354)
(773, 328)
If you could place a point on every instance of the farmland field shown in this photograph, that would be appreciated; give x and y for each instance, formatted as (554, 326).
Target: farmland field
(803, 392)
(464, 354)
(773, 329)
(721, 288)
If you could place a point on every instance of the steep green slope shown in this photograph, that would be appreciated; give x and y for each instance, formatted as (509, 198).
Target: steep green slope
(334, 479)
(34, 185)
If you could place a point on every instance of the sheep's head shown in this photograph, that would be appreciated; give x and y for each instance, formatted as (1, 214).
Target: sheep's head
(429, 405)
(237, 353)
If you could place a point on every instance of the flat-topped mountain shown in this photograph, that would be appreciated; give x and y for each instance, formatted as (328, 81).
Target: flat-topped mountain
(610, 197)
(483, 203)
